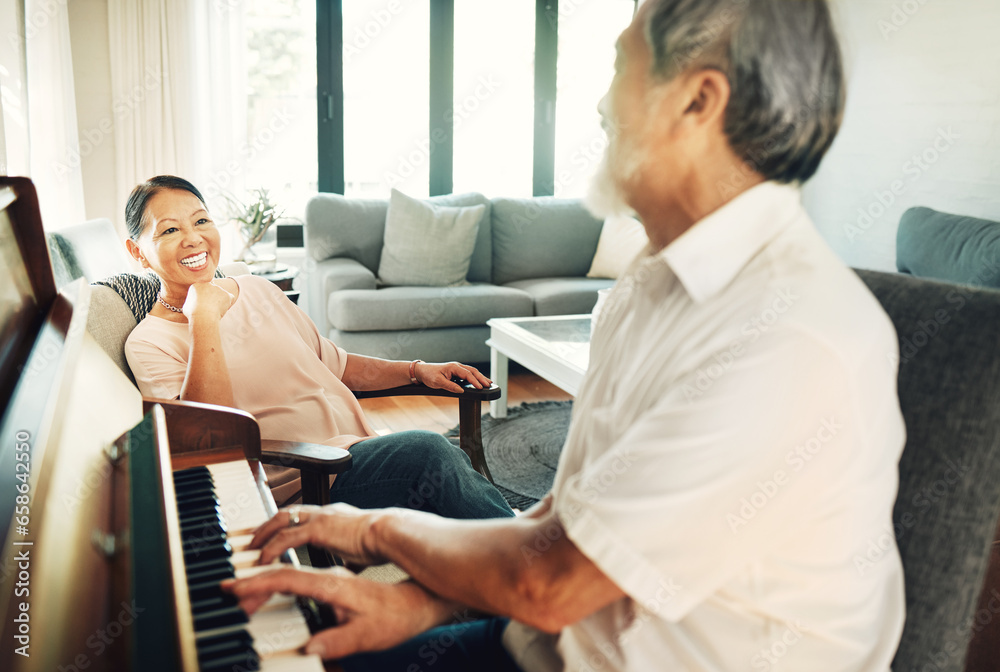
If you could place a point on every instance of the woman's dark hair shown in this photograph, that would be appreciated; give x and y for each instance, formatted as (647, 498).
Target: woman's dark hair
(135, 209)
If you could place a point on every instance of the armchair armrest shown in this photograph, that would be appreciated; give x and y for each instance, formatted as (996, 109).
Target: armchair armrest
(470, 432)
(305, 456)
(315, 462)
(485, 394)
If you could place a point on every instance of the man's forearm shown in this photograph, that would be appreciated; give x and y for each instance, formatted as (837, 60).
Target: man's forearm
(497, 566)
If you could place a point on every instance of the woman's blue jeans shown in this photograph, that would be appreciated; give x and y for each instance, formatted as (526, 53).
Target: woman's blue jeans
(475, 646)
(417, 470)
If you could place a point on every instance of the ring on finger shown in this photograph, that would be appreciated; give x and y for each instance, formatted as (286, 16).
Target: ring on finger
(294, 519)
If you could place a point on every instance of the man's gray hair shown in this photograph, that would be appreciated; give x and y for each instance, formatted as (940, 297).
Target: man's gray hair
(784, 68)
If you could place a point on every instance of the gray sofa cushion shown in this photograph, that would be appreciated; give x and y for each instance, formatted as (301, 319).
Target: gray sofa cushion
(949, 491)
(562, 296)
(353, 227)
(394, 308)
(542, 238)
(961, 249)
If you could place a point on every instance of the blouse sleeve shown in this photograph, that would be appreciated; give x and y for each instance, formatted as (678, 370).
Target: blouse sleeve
(158, 372)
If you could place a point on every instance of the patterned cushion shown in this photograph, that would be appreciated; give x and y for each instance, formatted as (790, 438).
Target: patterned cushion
(139, 291)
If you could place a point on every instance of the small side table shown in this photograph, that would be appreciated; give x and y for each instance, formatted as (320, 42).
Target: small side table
(284, 277)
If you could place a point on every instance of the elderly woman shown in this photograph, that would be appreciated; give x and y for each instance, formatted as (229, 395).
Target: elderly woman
(239, 342)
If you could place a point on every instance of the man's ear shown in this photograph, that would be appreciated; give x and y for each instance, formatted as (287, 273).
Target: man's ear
(133, 249)
(707, 92)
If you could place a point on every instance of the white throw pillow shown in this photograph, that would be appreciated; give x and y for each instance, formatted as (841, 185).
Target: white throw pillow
(622, 239)
(427, 245)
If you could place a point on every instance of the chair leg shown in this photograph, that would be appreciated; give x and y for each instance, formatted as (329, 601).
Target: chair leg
(470, 434)
(316, 490)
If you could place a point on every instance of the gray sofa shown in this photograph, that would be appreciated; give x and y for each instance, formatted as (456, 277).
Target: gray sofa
(530, 258)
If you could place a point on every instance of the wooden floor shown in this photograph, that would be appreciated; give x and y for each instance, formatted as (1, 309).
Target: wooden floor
(437, 414)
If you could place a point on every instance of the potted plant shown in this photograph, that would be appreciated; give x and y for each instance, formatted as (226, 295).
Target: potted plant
(255, 220)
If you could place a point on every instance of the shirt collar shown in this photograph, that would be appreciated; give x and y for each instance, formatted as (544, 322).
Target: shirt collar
(707, 257)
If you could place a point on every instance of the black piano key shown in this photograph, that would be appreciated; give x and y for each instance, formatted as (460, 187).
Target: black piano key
(224, 645)
(206, 534)
(192, 472)
(197, 501)
(209, 531)
(203, 552)
(210, 576)
(206, 482)
(189, 488)
(241, 661)
(194, 568)
(210, 517)
(210, 602)
(204, 511)
(219, 618)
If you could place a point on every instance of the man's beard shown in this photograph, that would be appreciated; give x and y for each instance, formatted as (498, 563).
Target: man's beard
(605, 196)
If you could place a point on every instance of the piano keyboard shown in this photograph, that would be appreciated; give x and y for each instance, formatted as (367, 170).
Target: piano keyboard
(218, 512)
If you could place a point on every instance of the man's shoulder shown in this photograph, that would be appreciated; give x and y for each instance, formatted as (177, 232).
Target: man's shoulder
(825, 297)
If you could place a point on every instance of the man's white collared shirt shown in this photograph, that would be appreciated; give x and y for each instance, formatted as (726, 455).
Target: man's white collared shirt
(732, 458)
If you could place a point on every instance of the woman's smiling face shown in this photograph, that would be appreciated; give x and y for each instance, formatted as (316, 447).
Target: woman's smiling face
(180, 242)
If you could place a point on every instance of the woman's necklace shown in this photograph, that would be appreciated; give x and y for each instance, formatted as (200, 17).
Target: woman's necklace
(167, 305)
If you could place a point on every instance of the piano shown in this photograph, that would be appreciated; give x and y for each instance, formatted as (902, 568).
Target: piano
(119, 517)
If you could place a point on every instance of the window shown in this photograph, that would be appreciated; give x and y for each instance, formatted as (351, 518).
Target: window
(281, 147)
(386, 97)
(587, 35)
(493, 108)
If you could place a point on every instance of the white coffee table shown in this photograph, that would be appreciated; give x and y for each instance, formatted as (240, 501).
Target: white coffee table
(556, 348)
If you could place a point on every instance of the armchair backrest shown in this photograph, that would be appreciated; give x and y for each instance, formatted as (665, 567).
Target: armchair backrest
(89, 250)
(946, 512)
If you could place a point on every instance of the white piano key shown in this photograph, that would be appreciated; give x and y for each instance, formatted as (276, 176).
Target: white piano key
(240, 542)
(278, 628)
(238, 498)
(278, 631)
(310, 663)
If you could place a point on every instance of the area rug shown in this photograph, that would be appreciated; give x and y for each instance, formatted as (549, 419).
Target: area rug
(522, 450)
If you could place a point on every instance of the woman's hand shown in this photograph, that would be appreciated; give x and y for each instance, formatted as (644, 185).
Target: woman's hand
(370, 616)
(439, 376)
(341, 528)
(206, 300)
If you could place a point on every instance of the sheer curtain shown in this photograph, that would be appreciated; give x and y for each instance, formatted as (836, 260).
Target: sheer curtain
(178, 79)
(38, 108)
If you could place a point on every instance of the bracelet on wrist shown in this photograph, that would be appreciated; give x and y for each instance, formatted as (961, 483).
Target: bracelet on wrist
(413, 370)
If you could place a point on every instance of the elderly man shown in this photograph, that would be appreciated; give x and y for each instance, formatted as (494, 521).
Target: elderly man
(733, 450)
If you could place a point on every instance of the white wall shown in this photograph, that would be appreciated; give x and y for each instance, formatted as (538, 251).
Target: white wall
(923, 116)
(88, 24)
